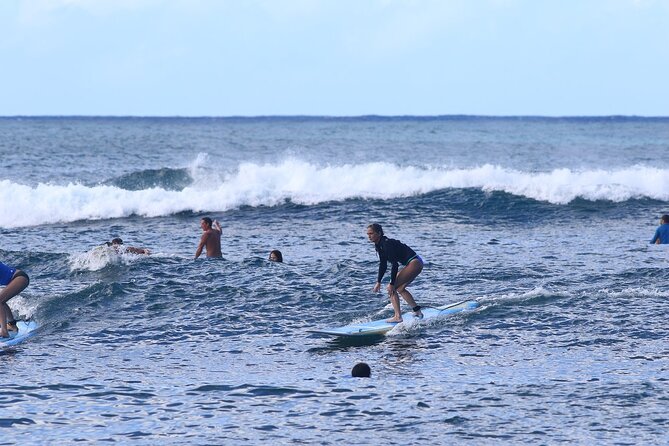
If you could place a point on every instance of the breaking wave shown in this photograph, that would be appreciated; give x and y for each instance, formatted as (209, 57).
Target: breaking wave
(168, 191)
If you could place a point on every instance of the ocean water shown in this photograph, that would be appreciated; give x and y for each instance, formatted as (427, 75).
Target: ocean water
(544, 221)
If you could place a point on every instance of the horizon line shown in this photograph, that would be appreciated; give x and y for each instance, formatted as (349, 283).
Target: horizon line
(335, 117)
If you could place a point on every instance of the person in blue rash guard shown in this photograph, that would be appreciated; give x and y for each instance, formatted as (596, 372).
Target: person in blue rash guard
(395, 252)
(662, 232)
(14, 281)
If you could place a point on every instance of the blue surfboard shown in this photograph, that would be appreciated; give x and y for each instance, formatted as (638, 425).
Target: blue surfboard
(27, 329)
(381, 327)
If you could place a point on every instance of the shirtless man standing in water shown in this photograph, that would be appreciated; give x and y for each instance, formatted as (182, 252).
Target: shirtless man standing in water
(211, 238)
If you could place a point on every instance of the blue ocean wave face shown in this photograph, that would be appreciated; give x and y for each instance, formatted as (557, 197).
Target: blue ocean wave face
(165, 178)
(544, 222)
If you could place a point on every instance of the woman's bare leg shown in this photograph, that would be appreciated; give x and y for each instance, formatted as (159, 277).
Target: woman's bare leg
(395, 301)
(404, 278)
(17, 284)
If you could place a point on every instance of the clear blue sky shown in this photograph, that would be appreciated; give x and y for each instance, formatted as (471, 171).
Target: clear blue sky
(334, 57)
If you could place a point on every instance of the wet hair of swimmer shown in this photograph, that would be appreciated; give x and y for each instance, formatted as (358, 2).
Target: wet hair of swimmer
(665, 218)
(376, 228)
(117, 241)
(361, 370)
(278, 257)
(207, 220)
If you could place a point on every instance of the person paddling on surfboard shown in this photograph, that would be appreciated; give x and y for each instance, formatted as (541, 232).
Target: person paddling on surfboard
(394, 251)
(119, 247)
(14, 281)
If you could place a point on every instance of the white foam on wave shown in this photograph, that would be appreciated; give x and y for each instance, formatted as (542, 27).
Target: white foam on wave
(306, 183)
(523, 296)
(24, 307)
(636, 293)
(99, 257)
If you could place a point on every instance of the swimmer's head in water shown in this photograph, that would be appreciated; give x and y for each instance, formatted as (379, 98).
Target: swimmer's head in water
(361, 370)
(276, 256)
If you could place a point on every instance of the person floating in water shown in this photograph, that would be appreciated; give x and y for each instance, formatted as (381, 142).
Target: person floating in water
(118, 245)
(661, 236)
(394, 251)
(276, 256)
(361, 370)
(14, 281)
(211, 238)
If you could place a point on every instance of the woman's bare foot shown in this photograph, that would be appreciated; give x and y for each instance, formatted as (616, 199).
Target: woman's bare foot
(394, 320)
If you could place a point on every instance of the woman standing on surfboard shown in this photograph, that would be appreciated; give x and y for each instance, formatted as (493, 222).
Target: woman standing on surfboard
(14, 281)
(394, 251)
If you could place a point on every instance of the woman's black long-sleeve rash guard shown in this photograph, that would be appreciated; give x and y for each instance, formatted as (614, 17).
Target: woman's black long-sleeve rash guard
(393, 251)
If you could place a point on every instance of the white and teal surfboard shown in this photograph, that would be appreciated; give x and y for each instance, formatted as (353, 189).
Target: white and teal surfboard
(382, 327)
(26, 331)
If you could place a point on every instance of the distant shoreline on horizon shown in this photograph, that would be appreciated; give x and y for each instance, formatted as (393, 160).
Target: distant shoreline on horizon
(372, 117)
